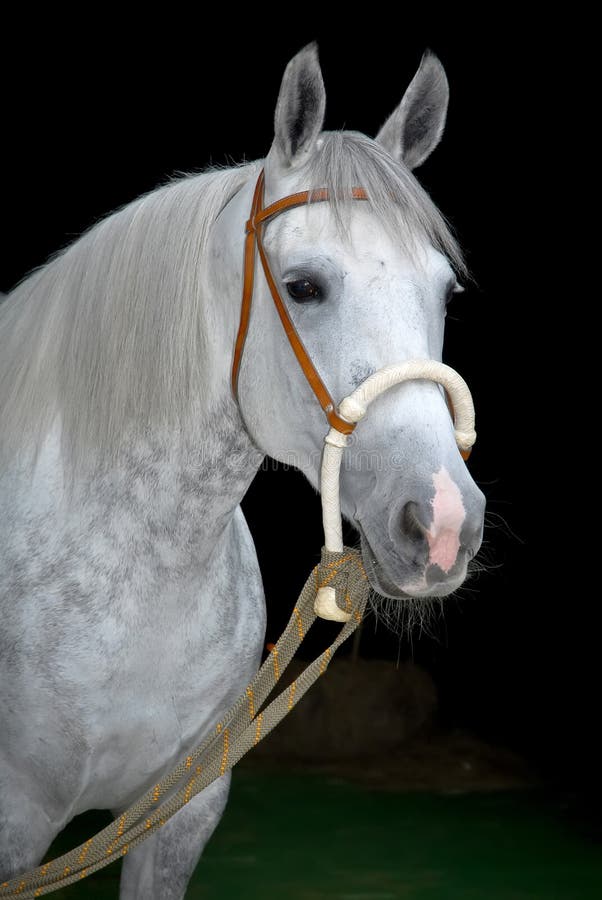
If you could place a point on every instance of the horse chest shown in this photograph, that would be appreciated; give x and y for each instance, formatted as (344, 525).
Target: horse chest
(124, 667)
(160, 690)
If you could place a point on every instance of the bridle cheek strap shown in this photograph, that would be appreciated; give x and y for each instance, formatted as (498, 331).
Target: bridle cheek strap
(259, 216)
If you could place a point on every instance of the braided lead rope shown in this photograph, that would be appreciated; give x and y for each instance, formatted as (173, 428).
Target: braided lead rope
(353, 408)
(241, 729)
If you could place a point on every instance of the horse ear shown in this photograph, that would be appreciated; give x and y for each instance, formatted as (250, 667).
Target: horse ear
(300, 109)
(414, 129)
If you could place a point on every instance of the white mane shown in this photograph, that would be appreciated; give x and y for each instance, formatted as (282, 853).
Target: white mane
(109, 334)
(348, 159)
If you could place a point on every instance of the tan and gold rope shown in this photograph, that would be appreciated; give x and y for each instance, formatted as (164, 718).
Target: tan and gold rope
(241, 729)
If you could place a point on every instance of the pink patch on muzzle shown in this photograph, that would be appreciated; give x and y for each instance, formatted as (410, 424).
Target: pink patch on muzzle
(448, 515)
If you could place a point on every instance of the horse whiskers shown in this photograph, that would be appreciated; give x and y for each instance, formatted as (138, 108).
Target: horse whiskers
(484, 562)
(495, 520)
(404, 617)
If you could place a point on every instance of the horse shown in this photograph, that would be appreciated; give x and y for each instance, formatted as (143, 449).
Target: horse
(133, 613)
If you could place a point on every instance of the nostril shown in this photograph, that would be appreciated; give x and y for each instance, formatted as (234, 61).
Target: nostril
(411, 526)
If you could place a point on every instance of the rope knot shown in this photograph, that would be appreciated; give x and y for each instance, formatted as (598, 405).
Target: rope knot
(353, 409)
(342, 585)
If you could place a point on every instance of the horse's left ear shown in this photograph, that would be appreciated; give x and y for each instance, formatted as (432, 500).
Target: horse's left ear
(300, 109)
(412, 132)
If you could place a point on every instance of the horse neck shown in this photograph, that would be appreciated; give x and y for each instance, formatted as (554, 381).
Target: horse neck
(188, 482)
(198, 475)
(167, 498)
(191, 483)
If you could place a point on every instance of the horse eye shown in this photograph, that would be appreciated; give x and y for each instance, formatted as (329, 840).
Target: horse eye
(302, 290)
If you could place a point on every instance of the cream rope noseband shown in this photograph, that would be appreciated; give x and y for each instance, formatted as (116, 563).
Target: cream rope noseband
(352, 408)
(336, 589)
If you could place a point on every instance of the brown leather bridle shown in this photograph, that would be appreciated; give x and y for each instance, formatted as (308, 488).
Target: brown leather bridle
(254, 229)
(260, 215)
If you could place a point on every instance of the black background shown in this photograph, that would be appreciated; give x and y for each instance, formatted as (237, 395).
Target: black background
(97, 117)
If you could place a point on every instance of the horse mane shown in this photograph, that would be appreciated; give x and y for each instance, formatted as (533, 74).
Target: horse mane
(111, 335)
(348, 159)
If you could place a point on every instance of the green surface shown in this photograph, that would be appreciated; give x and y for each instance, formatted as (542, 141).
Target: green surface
(311, 837)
